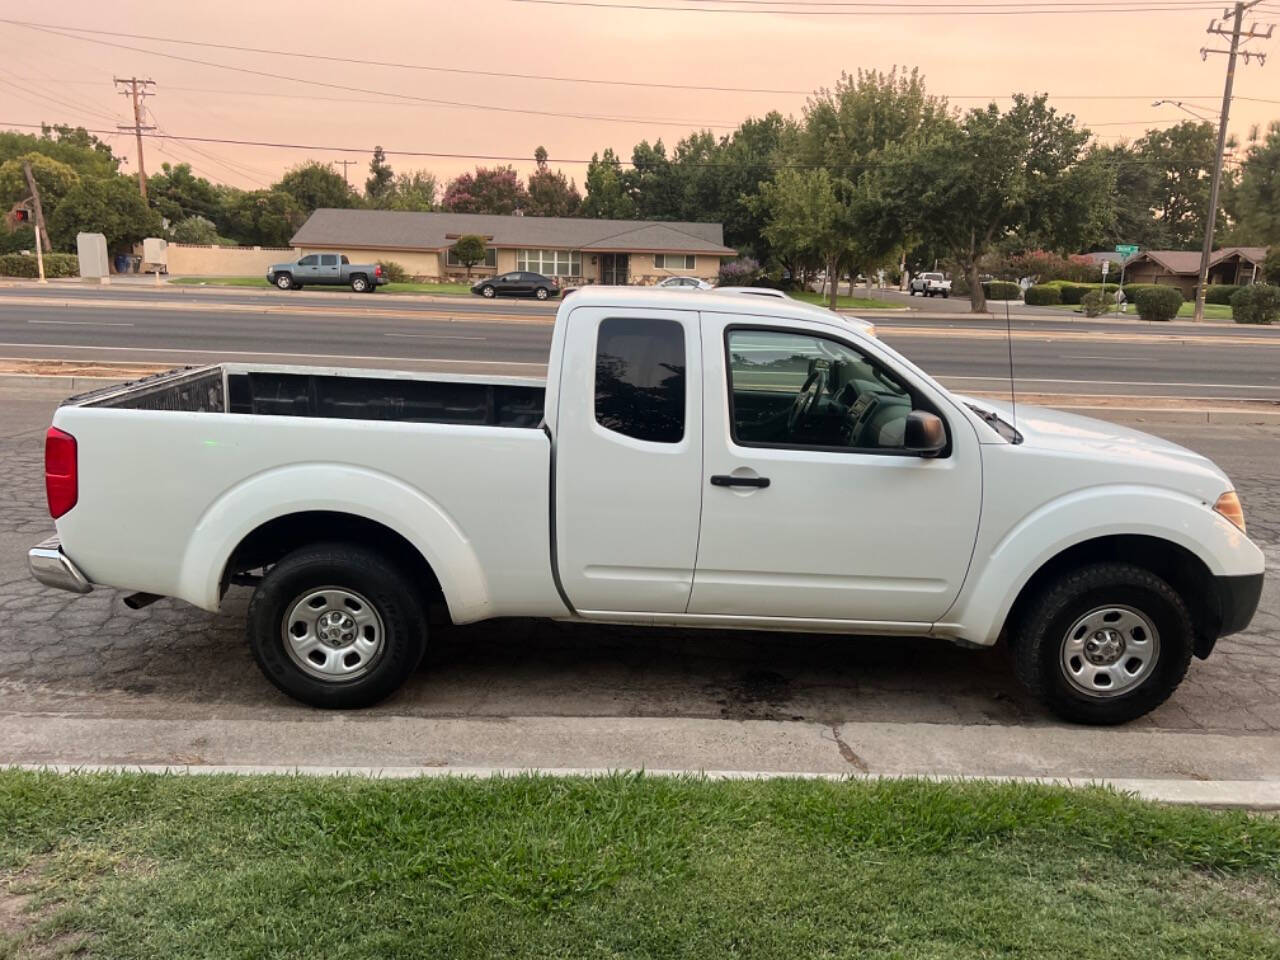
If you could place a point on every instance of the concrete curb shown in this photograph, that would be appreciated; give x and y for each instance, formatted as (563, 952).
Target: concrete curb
(1252, 795)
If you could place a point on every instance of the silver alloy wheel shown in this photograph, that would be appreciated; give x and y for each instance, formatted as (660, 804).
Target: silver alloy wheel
(283, 281)
(1109, 651)
(359, 284)
(333, 634)
(542, 294)
(488, 291)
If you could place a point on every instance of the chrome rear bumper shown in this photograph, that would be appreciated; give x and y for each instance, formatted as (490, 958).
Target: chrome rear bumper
(53, 568)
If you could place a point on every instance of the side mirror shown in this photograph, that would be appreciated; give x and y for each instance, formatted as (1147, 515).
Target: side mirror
(924, 434)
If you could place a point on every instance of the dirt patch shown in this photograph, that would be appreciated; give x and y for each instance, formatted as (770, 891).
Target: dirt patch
(754, 695)
(107, 370)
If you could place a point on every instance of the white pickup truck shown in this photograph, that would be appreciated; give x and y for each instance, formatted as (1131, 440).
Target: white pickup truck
(930, 285)
(692, 460)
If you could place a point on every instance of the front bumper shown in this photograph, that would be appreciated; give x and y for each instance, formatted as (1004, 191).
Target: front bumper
(53, 568)
(1238, 601)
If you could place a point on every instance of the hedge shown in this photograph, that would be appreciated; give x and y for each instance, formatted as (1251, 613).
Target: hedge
(1042, 296)
(393, 271)
(1259, 303)
(1097, 302)
(24, 265)
(1157, 302)
(1001, 290)
(1221, 293)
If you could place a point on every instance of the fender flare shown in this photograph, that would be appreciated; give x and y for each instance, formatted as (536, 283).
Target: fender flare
(339, 488)
(979, 613)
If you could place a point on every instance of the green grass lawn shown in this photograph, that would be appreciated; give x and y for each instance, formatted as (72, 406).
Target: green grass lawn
(138, 866)
(440, 288)
(1212, 311)
(842, 301)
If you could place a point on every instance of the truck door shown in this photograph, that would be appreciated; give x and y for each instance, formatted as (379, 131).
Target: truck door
(328, 271)
(306, 269)
(812, 506)
(628, 461)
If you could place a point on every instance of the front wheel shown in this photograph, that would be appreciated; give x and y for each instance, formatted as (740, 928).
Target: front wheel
(1104, 644)
(336, 626)
(284, 281)
(359, 284)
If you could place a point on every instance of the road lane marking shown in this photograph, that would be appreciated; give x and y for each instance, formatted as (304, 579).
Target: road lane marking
(1119, 383)
(233, 354)
(83, 323)
(430, 336)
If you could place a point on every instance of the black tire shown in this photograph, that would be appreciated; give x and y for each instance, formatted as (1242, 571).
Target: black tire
(541, 293)
(284, 281)
(359, 283)
(488, 292)
(946, 294)
(1039, 636)
(347, 567)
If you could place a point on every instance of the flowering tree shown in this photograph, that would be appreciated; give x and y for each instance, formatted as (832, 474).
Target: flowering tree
(488, 190)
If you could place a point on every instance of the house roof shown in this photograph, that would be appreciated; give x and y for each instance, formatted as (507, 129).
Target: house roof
(1188, 261)
(396, 230)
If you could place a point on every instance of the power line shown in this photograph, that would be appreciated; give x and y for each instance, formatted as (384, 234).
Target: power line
(137, 95)
(524, 111)
(1019, 10)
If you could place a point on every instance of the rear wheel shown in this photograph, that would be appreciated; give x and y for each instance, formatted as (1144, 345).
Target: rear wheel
(284, 281)
(359, 283)
(541, 293)
(1104, 644)
(336, 626)
(488, 292)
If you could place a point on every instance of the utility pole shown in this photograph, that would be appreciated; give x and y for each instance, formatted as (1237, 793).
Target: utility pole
(1216, 28)
(42, 236)
(345, 164)
(131, 85)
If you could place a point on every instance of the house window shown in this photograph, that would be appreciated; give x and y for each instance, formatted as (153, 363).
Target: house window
(490, 258)
(674, 261)
(550, 263)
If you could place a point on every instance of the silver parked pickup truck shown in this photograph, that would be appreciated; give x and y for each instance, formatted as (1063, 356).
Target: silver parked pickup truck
(328, 269)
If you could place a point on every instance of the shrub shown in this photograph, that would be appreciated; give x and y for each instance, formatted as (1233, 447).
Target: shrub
(393, 271)
(1259, 303)
(1271, 266)
(1001, 290)
(1072, 293)
(24, 265)
(1221, 293)
(1156, 302)
(1041, 296)
(197, 230)
(1097, 302)
(742, 272)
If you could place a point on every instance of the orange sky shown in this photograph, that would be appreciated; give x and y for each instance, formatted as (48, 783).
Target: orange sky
(1147, 55)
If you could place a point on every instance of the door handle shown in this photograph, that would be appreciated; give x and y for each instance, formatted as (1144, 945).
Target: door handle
(729, 480)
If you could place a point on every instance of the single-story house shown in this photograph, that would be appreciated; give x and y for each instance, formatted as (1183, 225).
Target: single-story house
(577, 250)
(1181, 268)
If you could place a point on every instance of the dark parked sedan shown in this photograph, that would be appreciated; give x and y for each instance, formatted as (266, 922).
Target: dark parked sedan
(518, 284)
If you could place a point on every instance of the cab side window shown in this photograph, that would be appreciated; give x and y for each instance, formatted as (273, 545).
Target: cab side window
(798, 390)
(309, 261)
(329, 260)
(640, 378)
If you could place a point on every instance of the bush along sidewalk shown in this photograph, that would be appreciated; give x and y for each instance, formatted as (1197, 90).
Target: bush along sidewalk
(1042, 296)
(1259, 303)
(24, 265)
(1156, 302)
(1002, 290)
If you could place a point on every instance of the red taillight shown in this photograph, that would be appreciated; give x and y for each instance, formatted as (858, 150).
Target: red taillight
(61, 485)
(377, 271)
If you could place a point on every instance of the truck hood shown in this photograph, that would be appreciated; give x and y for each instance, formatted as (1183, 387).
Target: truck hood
(1127, 450)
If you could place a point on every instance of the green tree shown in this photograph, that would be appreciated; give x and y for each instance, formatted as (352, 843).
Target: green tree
(112, 207)
(551, 194)
(1181, 159)
(1271, 266)
(653, 182)
(1134, 197)
(992, 174)
(470, 250)
(414, 191)
(488, 190)
(197, 230)
(807, 224)
(80, 150)
(268, 218)
(177, 193)
(53, 179)
(607, 197)
(1254, 200)
(315, 185)
(723, 182)
(378, 186)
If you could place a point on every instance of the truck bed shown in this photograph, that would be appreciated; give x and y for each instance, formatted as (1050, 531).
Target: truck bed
(329, 392)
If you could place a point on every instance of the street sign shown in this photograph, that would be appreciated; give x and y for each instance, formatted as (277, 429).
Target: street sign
(1106, 268)
(1127, 249)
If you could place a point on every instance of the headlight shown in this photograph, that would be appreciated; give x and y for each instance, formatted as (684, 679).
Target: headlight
(1229, 506)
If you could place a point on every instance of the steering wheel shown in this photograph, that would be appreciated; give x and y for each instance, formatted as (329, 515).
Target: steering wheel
(805, 400)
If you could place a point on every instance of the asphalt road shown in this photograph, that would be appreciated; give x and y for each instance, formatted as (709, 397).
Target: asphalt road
(179, 325)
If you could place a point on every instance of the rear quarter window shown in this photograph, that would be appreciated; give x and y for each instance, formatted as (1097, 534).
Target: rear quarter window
(640, 378)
